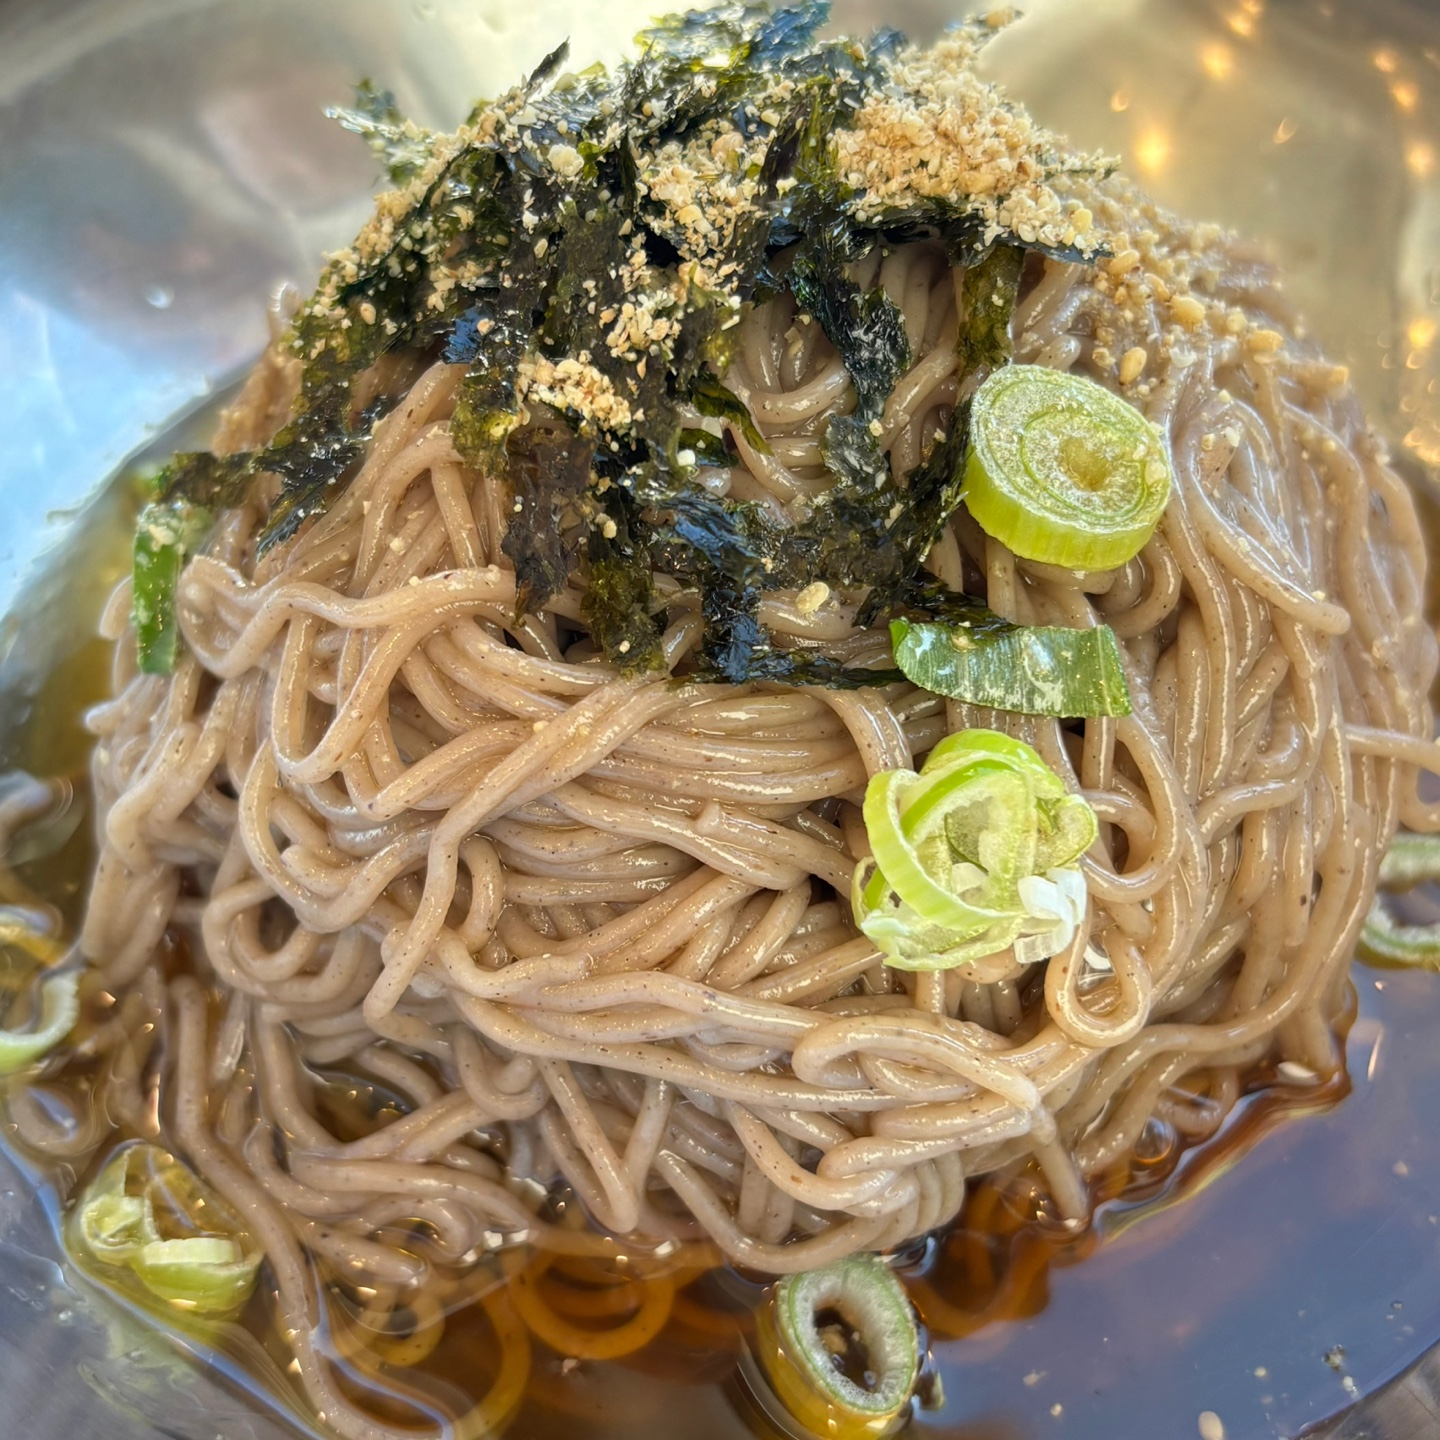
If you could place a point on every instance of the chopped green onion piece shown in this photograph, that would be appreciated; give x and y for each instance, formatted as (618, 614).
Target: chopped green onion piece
(1063, 471)
(975, 854)
(115, 1224)
(719, 402)
(165, 536)
(201, 1273)
(59, 1005)
(1385, 941)
(805, 1331)
(1031, 669)
(1411, 860)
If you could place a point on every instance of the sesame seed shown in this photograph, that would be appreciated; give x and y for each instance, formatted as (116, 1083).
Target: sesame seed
(812, 597)
(1132, 364)
(1189, 311)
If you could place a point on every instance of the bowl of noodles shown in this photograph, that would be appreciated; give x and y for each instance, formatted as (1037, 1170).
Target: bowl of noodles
(774, 710)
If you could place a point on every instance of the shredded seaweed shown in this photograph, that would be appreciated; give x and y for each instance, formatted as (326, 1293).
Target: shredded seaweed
(707, 449)
(595, 316)
(987, 298)
(714, 400)
(866, 327)
(619, 598)
(549, 468)
(402, 146)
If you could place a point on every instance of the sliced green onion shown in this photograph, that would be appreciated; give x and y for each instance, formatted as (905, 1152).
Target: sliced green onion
(974, 854)
(202, 1273)
(1385, 941)
(1062, 471)
(719, 402)
(1030, 669)
(59, 1006)
(855, 1307)
(165, 536)
(1411, 860)
(115, 1224)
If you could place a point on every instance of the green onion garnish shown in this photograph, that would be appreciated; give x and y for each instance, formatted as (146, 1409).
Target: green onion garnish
(1411, 860)
(58, 1009)
(115, 1225)
(1030, 669)
(1062, 471)
(974, 854)
(1385, 941)
(165, 536)
(855, 1310)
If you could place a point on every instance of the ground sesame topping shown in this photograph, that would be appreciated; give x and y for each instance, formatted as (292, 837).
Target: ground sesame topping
(939, 132)
(577, 386)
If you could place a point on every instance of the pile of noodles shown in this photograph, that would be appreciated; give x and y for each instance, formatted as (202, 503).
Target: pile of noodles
(594, 931)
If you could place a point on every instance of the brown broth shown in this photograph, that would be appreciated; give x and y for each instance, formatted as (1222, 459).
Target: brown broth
(1207, 1284)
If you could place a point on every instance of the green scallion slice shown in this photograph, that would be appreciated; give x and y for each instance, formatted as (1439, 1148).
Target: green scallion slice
(165, 537)
(815, 1320)
(1386, 942)
(1062, 471)
(1029, 669)
(114, 1226)
(59, 1007)
(205, 1274)
(1410, 861)
(977, 852)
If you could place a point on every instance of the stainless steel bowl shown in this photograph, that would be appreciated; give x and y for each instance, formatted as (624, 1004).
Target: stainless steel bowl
(165, 165)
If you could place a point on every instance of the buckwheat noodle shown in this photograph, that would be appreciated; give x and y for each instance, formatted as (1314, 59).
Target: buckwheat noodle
(594, 929)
